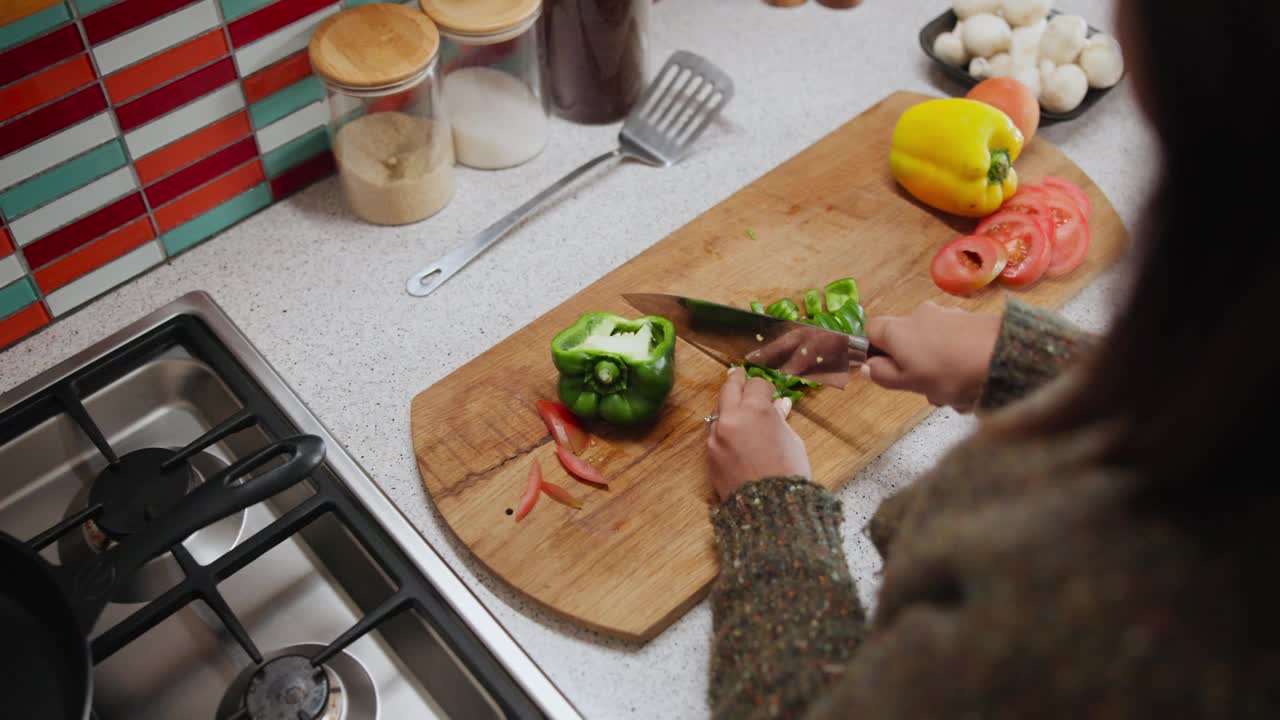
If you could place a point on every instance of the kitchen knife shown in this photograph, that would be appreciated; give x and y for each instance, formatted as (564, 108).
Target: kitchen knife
(734, 336)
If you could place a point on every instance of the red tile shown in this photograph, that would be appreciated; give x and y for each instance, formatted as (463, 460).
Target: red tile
(272, 18)
(176, 94)
(23, 323)
(50, 84)
(192, 147)
(95, 255)
(301, 175)
(39, 54)
(60, 242)
(277, 77)
(6, 245)
(202, 172)
(123, 17)
(209, 196)
(50, 119)
(168, 65)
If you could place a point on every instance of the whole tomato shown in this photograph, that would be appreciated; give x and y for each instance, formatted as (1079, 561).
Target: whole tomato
(1014, 99)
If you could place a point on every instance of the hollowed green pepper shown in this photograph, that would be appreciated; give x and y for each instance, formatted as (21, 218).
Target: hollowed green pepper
(616, 369)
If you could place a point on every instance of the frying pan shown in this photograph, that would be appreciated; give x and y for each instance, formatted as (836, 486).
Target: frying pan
(47, 611)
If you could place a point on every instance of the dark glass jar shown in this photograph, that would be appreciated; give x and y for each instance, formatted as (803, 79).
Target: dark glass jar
(594, 56)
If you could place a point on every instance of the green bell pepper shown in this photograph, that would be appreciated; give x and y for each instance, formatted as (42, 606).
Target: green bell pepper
(812, 303)
(756, 307)
(786, 308)
(840, 293)
(616, 369)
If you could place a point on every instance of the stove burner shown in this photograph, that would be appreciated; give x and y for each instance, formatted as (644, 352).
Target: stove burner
(136, 490)
(288, 688)
(162, 573)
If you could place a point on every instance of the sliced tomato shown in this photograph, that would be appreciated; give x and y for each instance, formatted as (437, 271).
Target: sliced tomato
(578, 467)
(1029, 200)
(968, 263)
(531, 489)
(561, 495)
(1029, 255)
(1070, 233)
(1025, 240)
(1073, 191)
(565, 427)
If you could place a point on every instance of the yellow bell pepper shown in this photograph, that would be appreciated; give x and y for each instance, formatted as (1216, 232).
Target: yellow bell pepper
(956, 155)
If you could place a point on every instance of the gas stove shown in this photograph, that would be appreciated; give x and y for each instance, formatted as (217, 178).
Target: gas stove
(321, 603)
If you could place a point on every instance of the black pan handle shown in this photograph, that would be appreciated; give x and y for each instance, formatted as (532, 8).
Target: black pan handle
(90, 586)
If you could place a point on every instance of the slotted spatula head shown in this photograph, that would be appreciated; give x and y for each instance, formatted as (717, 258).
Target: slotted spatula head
(684, 97)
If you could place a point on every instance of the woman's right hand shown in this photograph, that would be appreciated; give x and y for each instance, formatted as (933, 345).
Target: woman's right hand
(941, 353)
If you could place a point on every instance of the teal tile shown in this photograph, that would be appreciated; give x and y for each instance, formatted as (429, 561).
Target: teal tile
(218, 219)
(295, 151)
(296, 96)
(62, 179)
(232, 9)
(15, 296)
(87, 6)
(33, 25)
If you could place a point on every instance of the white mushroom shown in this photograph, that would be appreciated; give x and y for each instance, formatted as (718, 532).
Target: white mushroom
(980, 68)
(1025, 12)
(986, 35)
(1064, 89)
(1102, 62)
(1029, 75)
(1064, 38)
(950, 48)
(1024, 43)
(1001, 65)
(969, 8)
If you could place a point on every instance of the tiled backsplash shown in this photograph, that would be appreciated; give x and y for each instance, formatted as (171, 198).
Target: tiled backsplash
(130, 130)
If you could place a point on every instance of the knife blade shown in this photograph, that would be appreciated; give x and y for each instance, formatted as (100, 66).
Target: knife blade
(733, 335)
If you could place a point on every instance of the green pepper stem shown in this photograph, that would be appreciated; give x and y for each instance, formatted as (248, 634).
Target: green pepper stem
(1000, 166)
(606, 372)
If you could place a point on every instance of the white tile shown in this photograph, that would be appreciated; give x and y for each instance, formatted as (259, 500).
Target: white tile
(280, 44)
(38, 223)
(149, 39)
(185, 120)
(37, 158)
(293, 125)
(10, 270)
(104, 278)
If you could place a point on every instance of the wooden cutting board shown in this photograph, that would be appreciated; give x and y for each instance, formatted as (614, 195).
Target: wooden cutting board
(638, 555)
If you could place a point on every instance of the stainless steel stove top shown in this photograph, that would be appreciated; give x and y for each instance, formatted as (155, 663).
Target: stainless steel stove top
(329, 563)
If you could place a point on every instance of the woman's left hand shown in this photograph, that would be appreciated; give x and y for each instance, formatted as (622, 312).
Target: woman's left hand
(751, 440)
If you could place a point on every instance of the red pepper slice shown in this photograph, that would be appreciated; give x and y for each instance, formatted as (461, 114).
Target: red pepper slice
(578, 467)
(561, 495)
(564, 426)
(530, 495)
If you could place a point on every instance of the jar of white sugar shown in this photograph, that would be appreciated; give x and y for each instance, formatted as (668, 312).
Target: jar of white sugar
(492, 84)
(387, 125)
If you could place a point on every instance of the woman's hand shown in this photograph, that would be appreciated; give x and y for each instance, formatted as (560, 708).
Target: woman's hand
(751, 440)
(941, 353)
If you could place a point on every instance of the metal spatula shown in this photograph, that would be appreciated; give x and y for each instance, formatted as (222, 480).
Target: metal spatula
(685, 96)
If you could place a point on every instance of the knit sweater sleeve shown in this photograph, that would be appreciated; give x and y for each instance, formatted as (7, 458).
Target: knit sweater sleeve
(1033, 348)
(785, 612)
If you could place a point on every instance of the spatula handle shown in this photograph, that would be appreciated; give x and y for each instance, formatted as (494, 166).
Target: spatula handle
(425, 281)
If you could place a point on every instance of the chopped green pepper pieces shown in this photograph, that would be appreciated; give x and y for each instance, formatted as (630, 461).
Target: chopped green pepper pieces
(812, 302)
(616, 369)
(756, 307)
(840, 293)
(786, 308)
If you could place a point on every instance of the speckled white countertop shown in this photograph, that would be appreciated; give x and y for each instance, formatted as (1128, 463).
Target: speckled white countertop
(322, 295)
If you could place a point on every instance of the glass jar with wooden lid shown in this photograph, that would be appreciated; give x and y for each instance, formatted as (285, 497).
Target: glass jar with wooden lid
(492, 83)
(388, 129)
